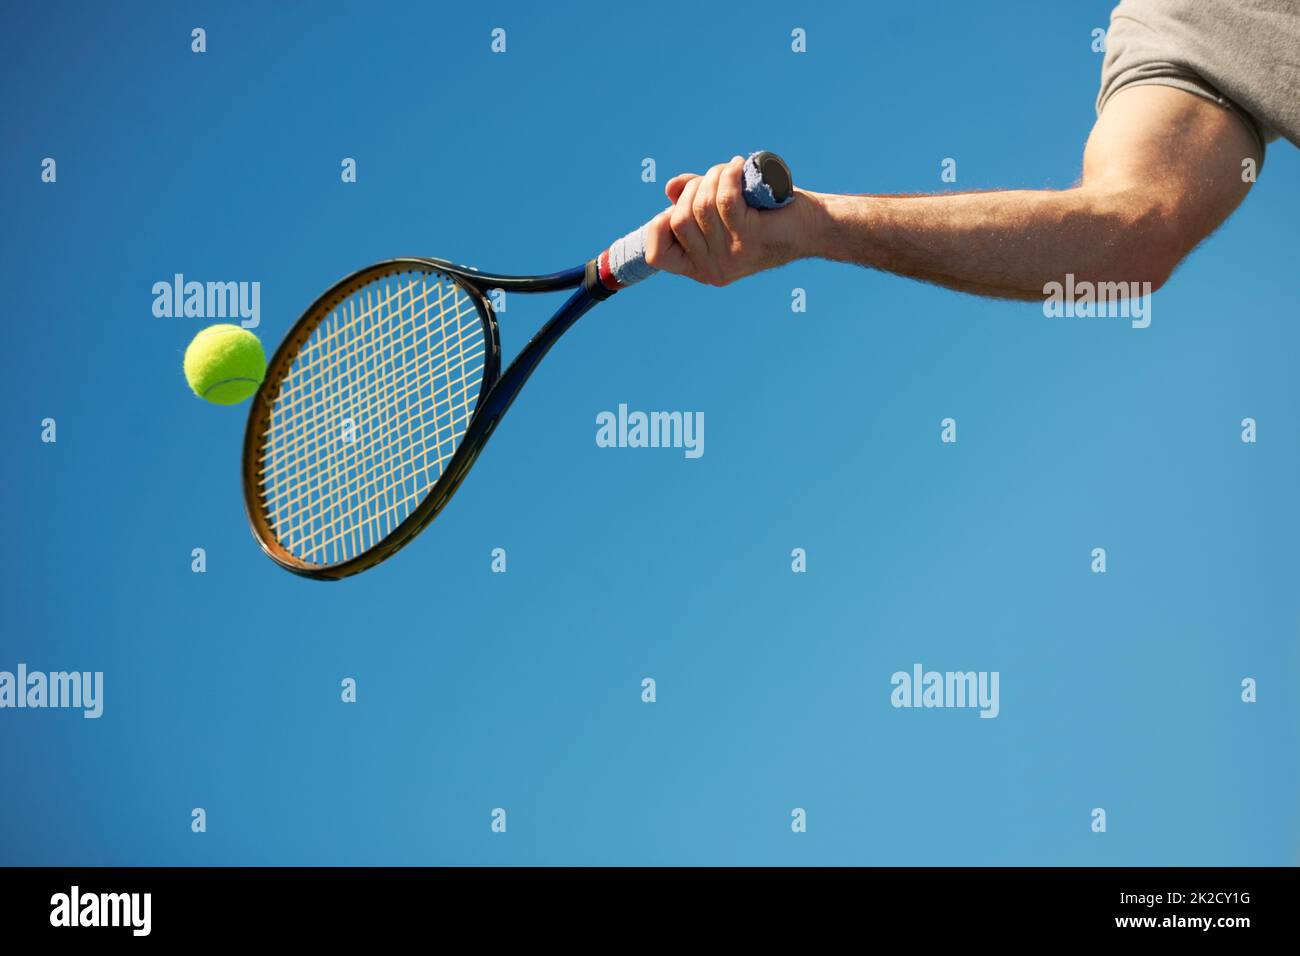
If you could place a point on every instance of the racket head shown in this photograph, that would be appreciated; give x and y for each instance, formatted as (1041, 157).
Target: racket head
(353, 439)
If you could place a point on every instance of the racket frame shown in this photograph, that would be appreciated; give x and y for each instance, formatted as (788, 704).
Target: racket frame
(495, 395)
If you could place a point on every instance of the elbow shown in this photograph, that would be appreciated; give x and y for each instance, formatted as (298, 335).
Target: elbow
(1135, 264)
(1152, 257)
(1131, 268)
(1152, 268)
(1152, 242)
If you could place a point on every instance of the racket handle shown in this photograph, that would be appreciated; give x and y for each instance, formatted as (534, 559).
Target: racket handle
(768, 185)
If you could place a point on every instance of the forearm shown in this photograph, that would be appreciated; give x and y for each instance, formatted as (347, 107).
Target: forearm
(1007, 244)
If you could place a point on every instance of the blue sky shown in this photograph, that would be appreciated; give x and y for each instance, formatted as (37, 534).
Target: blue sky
(523, 690)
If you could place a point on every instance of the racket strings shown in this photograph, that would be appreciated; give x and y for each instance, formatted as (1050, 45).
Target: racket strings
(369, 414)
(345, 499)
(404, 463)
(306, 416)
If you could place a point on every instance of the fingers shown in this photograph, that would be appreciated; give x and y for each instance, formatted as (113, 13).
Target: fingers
(697, 219)
(661, 248)
(731, 193)
(681, 218)
(673, 188)
(704, 208)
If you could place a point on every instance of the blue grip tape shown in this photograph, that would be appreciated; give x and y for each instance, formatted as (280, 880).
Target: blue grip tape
(758, 193)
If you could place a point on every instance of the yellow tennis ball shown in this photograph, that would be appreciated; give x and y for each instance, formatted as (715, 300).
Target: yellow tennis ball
(225, 364)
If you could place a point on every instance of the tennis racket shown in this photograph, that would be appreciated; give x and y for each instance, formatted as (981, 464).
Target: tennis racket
(383, 394)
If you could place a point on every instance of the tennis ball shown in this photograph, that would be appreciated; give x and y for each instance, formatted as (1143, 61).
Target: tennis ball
(225, 364)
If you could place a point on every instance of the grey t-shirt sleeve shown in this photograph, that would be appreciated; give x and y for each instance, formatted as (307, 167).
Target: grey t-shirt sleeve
(1240, 54)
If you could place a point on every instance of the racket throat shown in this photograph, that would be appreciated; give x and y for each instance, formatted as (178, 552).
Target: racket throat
(599, 281)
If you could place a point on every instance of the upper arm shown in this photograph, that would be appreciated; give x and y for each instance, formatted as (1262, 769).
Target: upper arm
(1172, 162)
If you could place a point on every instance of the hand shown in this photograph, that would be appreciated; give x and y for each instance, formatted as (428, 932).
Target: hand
(712, 235)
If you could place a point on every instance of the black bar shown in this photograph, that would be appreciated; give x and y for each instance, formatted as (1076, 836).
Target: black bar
(208, 905)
